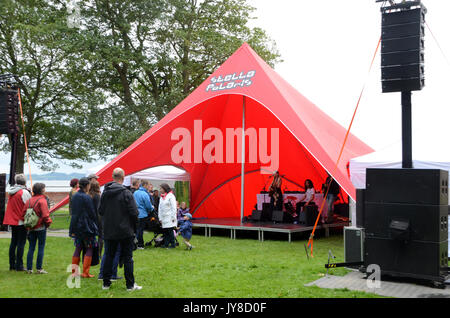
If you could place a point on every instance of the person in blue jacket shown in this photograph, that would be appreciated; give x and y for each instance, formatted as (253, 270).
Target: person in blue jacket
(186, 230)
(145, 207)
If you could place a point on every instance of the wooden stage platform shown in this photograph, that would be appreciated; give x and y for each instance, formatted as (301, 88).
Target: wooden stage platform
(234, 224)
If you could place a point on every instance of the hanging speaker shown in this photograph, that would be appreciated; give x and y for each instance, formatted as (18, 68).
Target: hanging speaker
(402, 48)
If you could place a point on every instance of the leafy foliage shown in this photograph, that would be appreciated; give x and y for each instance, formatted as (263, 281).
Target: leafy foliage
(94, 86)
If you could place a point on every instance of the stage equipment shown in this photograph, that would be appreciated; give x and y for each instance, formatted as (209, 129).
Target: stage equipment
(266, 212)
(309, 215)
(256, 215)
(278, 216)
(360, 199)
(353, 244)
(402, 47)
(2, 199)
(9, 117)
(9, 111)
(406, 222)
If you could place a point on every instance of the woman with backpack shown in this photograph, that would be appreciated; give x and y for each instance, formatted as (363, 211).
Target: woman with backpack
(38, 232)
(83, 228)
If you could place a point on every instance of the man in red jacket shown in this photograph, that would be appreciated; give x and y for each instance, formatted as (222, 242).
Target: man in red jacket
(18, 195)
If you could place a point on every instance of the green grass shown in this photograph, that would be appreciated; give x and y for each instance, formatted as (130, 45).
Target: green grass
(217, 268)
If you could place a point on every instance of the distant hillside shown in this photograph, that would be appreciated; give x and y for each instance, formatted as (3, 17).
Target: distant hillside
(55, 176)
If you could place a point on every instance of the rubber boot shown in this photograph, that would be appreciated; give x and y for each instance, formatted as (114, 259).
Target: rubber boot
(75, 266)
(86, 267)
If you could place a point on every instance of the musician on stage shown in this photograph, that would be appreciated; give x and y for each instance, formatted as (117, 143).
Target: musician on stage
(276, 196)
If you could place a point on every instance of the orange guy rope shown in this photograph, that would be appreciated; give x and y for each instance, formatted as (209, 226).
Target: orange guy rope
(310, 242)
(25, 138)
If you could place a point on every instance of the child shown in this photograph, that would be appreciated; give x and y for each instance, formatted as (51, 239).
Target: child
(186, 230)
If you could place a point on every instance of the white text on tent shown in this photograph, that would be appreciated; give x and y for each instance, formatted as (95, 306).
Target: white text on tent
(213, 152)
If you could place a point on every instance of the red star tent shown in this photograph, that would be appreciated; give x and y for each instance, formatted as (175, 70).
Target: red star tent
(283, 131)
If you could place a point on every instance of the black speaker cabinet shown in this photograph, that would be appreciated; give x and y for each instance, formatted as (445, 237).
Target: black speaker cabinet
(353, 244)
(266, 212)
(309, 215)
(2, 196)
(406, 222)
(402, 50)
(278, 216)
(256, 215)
(360, 202)
(408, 186)
(415, 259)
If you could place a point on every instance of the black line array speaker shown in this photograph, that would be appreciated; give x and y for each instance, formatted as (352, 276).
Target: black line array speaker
(9, 111)
(360, 199)
(402, 50)
(406, 222)
(2, 197)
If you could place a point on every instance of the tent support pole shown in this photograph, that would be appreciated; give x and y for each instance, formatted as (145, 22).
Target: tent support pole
(406, 131)
(243, 160)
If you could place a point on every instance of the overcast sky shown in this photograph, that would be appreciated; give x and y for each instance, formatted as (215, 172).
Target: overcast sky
(327, 47)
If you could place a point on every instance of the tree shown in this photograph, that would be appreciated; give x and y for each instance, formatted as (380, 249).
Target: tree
(147, 56)
(33, 35)
(93, 87)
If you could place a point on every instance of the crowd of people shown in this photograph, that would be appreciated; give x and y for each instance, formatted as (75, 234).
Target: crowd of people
(113, 220)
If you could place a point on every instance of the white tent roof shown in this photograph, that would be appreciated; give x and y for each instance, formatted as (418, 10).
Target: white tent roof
(159, 173)
(428, 153)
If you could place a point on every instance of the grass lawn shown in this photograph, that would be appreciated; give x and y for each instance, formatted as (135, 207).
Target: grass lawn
(217, 268)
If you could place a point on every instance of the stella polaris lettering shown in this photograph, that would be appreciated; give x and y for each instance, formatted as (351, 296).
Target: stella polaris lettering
(230, 81)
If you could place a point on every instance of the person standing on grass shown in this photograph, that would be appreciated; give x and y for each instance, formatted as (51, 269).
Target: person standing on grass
(73, 190)
(186, 230)
(38, 233)
(119, 215)
(94, 193)
(145, 208)
(18, 195)
(167, 214)
(83, 228)
(156, 200)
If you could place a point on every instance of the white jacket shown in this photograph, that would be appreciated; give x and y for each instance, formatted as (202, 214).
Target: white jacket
(167, 211)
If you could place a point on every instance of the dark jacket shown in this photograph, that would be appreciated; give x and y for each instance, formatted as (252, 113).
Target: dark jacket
(96, 201)
(118, 211)
(84, 221)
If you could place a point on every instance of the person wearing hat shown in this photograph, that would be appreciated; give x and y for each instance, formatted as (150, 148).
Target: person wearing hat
(83, 228)
(186, 230)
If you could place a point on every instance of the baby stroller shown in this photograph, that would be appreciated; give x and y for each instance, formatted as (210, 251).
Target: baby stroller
(153, 225)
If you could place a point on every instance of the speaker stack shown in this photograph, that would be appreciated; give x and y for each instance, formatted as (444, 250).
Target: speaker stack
(9, 111)
(9, 122)
(2, 198)
(402, 49)
(405, 221)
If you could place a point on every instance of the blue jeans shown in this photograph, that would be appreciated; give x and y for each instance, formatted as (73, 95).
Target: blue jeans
(33, 237)
(115, 263)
